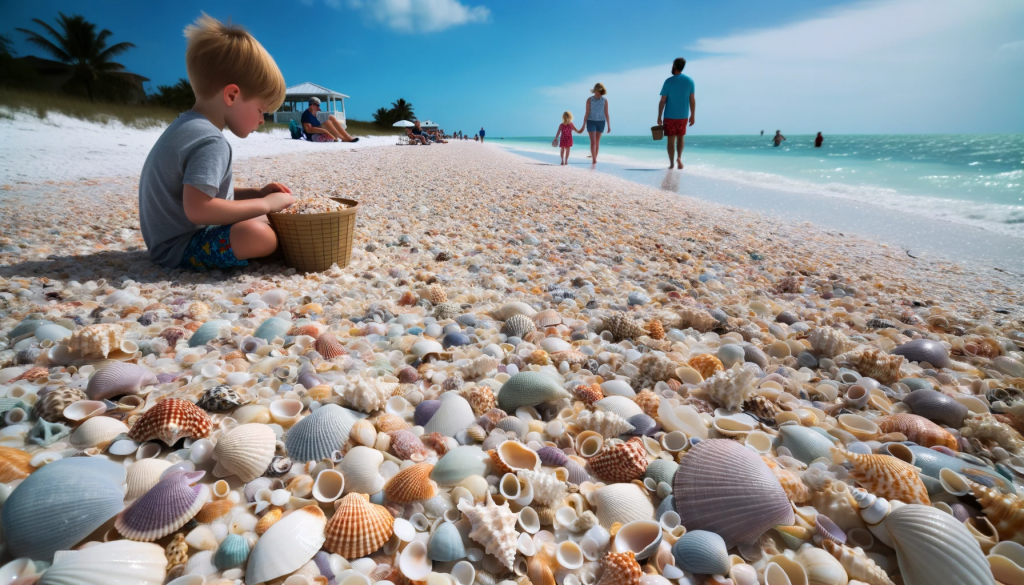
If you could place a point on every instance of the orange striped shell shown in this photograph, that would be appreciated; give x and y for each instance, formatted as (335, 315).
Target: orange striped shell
(14, 464)
(31, 374)
(171, 420)
(213, 510)
(620, 569)
(268, 520)
(411, 484)
(358, 527)
(707, 365)
(588, 394)
(655, 330)
(791, 483)
(328, 346)
(886, 477)
(648, 402)
(391, 422)
(313, 330)
(622, 462)
(918, 429)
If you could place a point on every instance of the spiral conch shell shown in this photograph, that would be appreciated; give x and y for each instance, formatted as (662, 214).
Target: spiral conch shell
(857, 564)
(607, 423)
(494, 527)
(885, 476)
(1004, 511)
(829, 342)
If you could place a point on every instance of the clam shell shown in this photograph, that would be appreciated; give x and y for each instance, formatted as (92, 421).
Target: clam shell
(411, 484)
(118, 379)
(453, 415)
(622, 503)
(245, 451)
(407, 446)
(643, 425)
(360, 468)
(165, 508)
(805, 444)
(642, 537)
(529, 389)
(207, 332)
(518, 326)
(14, 464)
(515, 308)
(110, 563)
(232, 552)
(321, 433)
(700, 551)
(446, 544)
(460, 463)
(143, 475)
(933, 547)
(925, 350)
(171, 420)
(620, 405)
(271, 329)
(726, 488)
(290, 543)
(60, 504)
(97, 431)
(357, 527)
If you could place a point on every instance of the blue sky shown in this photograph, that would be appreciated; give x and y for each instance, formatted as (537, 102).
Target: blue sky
(881, 66)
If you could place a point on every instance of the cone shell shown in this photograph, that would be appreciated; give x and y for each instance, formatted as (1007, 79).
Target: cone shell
(328, 346)
(411, 484)
(170, 420)
(529, 389)
(320, 433)
(622, 462)
(933, 547)
(622, 503)
(288, 545)
(358, 527)
(14, 464)
(886, 477)
(167, 507)
(118, 379)
(51, 404)
(936, 407)
(245, 451)
(143, 475)
(723, 487)
(918, 429)
(1004, 511)
(620, 569)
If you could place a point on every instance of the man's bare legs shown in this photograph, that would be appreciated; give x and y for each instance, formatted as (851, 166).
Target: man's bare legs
(673, 146)
(333, 126)
(679, 149)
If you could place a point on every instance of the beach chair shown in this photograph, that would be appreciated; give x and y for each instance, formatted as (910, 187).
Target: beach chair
(403, 140)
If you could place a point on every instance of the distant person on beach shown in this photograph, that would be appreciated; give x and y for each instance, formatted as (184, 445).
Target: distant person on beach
(190, 216)
(482, 134)
(679, 104)
(778, 138)
(331, 131)
(762, 132)
(416, 136)
(818, 140)
(564, 136)
(597, 117)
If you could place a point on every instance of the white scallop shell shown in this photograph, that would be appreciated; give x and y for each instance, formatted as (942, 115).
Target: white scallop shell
(97, 431)
(621, 502)
(245, 451)
(287, 545)
(934, 547)
(360, 468)
(454, 415)
(120, 562)
(143, 475)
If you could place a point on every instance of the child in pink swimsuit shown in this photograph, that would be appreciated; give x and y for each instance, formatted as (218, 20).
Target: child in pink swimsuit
(564, 136)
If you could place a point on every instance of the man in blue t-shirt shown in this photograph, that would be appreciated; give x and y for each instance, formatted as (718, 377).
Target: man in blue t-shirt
(679, 105)
(482, 134)
(330, 131)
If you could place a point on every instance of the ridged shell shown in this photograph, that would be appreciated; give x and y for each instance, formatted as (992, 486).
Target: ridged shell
(1004, 511)
(620, 569)
(390, 422)
(170, 420)
(607, 423)
(805, 444)
(360, 468)
(918, 429)
(453, 415)
(622, 327)
(268, 520)
(207, 332)
(444, 311)
(725, 488)
(321, 433)
(661, 470)
(60, 504)
(328, 346)
(214, 510)
(479, 366)
(425, 411)
(358, 527)
(437, 294)
(622, 503)
(446, 544)
(925, 350)
(14, 464)
(514, 424)
(857, 564)
(622, 462)
(460, 463)
(272, 328)
(933, 547)
(411, 484)
(518, 326)
(143, 475)
(232, 552)
(290, 543)
(97, 431)
(873, 363)
(96, 341)
(165, 508)
(886, 477)
(220, 398)
(120, 562)
(696, 318)
(552, 456)
(51, 404)
(515, 308)
(118, 379)
(936, 407)
(620, 405)
(829, 342)
(494, 527)
(547, 489)
(245, 451)
(700, 551)
(648, 402)
(577, 473)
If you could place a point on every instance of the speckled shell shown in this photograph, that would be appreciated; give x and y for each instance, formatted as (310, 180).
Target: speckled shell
(873, 363)
(622, 503)
(406, 445)
(620, 569)
(170, 420)
(165, 508)
(620, 463)
(588, 394)
(411, 484)
(14, 464)
(207, 332)
(706, 364)
(96, 341)
(97, 431)
(936, 407)
(925, 350)
(725, 488)
(918, 429)
(494, 527)
(328, 346)
(886, 477)
(289, 544)
(60, 504)
(109, 563)
(117, 379)
(700, 551)
(805, 444)
(245, 451)
(933, 547)
(655, 330)
(480, 398)
(143, 475)
(358, 527)
(518, 326)
(622, 327)
(648, 402)
(268, 520)
(437, 294)
(607, 423)
(528, 389)
(444, 311)
(50, 406)
(453, 415)
(319, 434)
(1004, 511)
(220, 398)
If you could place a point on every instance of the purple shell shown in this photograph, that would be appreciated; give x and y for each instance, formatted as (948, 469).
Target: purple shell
(643, 425)
(936, 407)
(118, 379)
(425, 411)
(577, 474)
(924, 350)
(165, 378)
(963, 512)
(308, 380)
(166, 507)
(829, 530)
(323, 562)
(552, 456)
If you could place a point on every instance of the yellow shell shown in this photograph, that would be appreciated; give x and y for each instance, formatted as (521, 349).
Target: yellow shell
(707, 365)
(213, 510)
(14, 464)
(539, 357)
(320, 392)
(268, 520)
(358, 527)
(1004, 511)
(411, 484)
(886, 477)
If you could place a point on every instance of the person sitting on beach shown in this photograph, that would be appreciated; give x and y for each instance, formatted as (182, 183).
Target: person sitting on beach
(597, 117)
(190, 216)
(818, 140)
(564, 136)
(778, 138)
(679, 104)
(416, 135)
(331, 131)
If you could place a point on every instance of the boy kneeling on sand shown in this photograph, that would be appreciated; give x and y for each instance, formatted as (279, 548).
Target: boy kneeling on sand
(191, 217)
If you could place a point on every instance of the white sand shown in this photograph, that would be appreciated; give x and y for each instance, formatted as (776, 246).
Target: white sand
(61, 148)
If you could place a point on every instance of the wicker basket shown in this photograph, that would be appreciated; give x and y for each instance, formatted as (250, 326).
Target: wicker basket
(313, 242)
(657, 132)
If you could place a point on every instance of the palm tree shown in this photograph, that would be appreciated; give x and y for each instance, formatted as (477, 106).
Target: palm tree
(178, 97)
(83, 50)
(383, 117)
(402, 110)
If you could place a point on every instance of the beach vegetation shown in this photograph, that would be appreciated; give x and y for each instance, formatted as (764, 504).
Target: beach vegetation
(178, 97)
(41, 103)
(16, 72)
(399, 110)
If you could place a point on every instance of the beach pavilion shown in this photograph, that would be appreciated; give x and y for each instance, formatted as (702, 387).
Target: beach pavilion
(296, 98)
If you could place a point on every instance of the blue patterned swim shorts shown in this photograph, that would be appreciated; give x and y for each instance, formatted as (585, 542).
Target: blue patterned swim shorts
(210, 248)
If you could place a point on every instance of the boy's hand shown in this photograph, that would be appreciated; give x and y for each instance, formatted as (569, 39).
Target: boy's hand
(277, 201)
(274, 188)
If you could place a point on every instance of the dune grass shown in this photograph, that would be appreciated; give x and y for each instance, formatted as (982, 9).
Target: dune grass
(41, 104)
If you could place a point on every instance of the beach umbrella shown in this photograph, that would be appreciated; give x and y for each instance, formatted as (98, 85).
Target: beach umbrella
(403, 124)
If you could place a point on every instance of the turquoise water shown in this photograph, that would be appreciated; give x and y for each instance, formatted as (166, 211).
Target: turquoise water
(969, 179)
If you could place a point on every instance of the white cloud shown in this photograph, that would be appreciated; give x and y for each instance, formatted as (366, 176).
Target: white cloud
(411, 16)
(875, 67)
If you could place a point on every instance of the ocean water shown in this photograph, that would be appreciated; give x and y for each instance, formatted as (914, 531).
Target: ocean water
(975, 180)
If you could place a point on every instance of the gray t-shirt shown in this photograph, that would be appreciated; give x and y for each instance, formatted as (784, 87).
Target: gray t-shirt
(191, 151)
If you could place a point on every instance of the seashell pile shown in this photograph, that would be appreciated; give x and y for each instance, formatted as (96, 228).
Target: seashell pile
(536, 408)
(310, 205)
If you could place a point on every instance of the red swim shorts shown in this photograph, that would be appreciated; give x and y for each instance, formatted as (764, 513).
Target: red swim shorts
(676, 126)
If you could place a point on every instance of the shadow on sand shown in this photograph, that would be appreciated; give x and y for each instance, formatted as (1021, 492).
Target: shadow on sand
(116, 264)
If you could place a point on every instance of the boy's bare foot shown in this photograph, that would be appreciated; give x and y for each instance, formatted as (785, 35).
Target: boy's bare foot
(680, 163)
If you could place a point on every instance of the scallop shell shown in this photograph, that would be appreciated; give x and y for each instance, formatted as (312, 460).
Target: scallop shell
(170, 420)
(109, 563)
(289, 544)
(933, 547)
(622, 503)
(143, 475)
(446, 544)
(14, 464)
(51, 404)
(328, 346)
(936, 407)
(873, 363)
(453, 415)
(925, 350)
(165, 508)
(245, 451)
(117, 379)
(518, 326)
(411, 484)
(918, 429)
(96, 341)
(358, 527)
(207, 332)
(886, 477)
(805, 444)
(460, 463)
(620, 569)
(320, 434)
(1004, 511)
(494, 527)
(360, 468)
(97, 431)
(60, 504)
(552, 456)
(700, 551)
(232, 552)
(829, 342)
(726, 488)
(607, 423)
(621, 462)
(515, 308)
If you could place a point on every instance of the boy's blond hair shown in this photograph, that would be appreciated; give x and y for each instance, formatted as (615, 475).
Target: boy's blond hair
(220, 54)
(566, 117)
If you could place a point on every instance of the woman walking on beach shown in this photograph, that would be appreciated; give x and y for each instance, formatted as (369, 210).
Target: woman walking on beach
(597, 118)
(564, 135)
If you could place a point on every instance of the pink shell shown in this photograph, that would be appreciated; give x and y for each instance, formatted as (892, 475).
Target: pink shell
(406, 445)
(118, 379)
